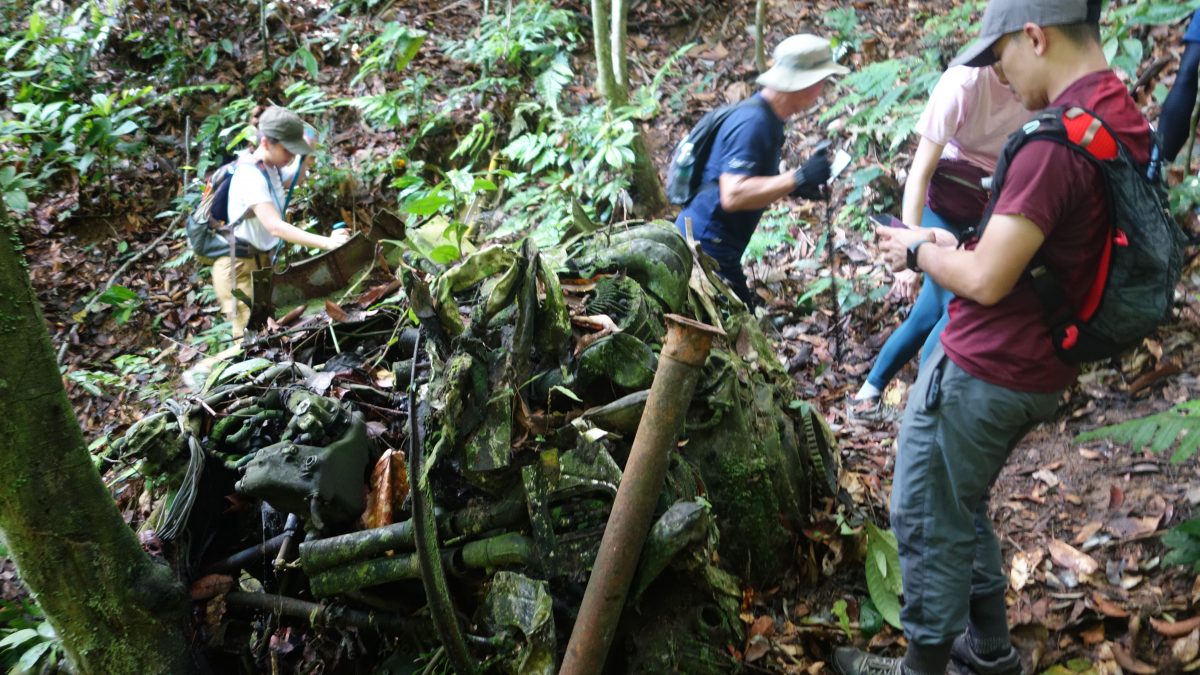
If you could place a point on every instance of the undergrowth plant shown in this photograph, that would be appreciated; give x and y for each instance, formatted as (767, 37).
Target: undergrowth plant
(1178, 428)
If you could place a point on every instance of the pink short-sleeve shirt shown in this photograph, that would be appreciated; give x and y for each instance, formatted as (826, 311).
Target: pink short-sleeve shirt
(971, 113)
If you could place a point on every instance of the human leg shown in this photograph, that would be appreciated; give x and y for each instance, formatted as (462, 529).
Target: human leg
(225, 280)
(935, 336)
(903, 343)
(1175, 121)
(952, 447)
(923, 321)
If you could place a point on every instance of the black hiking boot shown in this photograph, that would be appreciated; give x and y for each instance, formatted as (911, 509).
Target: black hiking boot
(851, 661)
(964, 660)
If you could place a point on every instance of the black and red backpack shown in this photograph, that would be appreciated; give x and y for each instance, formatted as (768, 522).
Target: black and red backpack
(1134, 286)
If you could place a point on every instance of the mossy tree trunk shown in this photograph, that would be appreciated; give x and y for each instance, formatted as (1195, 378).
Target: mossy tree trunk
(116, 610)
(609, 19)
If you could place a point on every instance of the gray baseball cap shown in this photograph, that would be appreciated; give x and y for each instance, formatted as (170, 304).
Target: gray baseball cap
(286, 127)
(800, 62)
(1008, 16)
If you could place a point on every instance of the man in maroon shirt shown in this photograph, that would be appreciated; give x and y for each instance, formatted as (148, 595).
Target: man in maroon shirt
(997, 374)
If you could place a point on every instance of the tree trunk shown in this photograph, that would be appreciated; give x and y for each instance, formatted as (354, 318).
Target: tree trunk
(620, 59)
(116, 610)
(605, 80)
(760, 23)
(609, 18)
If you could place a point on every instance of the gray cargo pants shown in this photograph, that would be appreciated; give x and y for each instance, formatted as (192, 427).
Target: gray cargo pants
(956, 436)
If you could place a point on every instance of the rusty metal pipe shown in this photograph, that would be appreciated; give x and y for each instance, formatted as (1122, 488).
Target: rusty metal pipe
(683, 355)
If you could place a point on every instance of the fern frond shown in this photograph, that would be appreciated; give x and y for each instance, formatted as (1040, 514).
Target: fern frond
(1158, 432)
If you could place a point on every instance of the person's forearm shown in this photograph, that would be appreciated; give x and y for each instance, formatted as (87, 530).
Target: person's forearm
(958, 271)
(295, 235)
(748, 193)
(1176, 118)
(924, 164)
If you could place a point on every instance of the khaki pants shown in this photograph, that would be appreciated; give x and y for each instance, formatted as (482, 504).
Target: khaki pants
(235, 310)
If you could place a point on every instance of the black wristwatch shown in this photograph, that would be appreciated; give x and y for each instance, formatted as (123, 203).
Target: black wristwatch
(911, 260)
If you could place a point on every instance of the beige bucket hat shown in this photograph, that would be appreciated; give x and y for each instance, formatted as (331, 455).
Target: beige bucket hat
(800, 62)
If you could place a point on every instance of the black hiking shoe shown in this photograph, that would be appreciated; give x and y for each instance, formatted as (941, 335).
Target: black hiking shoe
(851, 661)
(964, 660)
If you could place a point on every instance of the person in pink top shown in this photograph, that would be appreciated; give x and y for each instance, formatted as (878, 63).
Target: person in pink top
(970, 114)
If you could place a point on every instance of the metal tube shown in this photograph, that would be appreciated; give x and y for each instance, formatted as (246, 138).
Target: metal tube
(244, 559)
(683, 355)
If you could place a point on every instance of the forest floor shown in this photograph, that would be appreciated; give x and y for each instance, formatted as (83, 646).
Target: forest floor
(1080, 524)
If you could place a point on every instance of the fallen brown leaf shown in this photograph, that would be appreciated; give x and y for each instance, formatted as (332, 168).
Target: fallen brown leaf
(1177, 628)
(1132, 528)
(211, 586)
(1086, 532)
(1108, 607)
(1130, 664)
(1186, 649)
(1071, 558)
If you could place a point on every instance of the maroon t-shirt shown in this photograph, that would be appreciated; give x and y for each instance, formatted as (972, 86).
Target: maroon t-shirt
(1008, 344)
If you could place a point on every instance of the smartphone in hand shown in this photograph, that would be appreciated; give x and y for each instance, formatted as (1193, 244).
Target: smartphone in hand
(886, 220)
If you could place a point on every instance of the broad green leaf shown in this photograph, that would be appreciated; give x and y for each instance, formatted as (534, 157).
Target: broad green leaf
(245, 367)
(17, 200)
(883, 573)
(127, 127)
(427, 205)
(117, 295)
(444, 254)
(843, 617)
(309, 61)
(18, 637)
(31, 657)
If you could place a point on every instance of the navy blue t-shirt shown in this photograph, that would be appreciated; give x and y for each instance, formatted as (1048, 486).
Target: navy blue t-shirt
(1193, 31)
(748, 143)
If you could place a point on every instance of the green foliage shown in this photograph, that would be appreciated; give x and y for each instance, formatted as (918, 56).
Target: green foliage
(1185, 196)
(123, 301)
(774, 230)
(523, 39)
(30, 642)
(1184, 543)
(14, 187)
(844, 36)
(880, 103)
(1177, 427)
(392, 50)
(1123, 49)
(883, 573)
(839, 611)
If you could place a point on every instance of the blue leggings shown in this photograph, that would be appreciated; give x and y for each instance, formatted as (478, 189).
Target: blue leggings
(1176, 117)
(923, 326)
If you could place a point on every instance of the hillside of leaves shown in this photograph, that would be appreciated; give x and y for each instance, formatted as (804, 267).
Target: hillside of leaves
(484, 115)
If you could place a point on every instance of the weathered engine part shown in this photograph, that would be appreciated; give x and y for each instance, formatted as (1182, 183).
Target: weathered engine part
(313, 612)
(433, 575)
(683, 355)
(517, 603)
(620, 416)
(324, 482)
(322, 554)
(684, 524)
(759, 488)
(616, 363)
(623, 300)
(653, 254)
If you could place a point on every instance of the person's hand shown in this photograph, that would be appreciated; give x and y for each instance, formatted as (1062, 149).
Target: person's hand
(894, 243)
(905, 285)
(811, 177)
(339, 237)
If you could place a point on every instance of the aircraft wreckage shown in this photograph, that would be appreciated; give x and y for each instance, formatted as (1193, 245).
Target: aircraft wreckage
(528, 460)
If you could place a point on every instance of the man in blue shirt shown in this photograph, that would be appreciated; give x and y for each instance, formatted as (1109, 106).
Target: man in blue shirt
(741, 176)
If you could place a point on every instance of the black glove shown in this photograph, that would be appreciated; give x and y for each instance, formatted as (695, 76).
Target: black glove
(811, 177)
